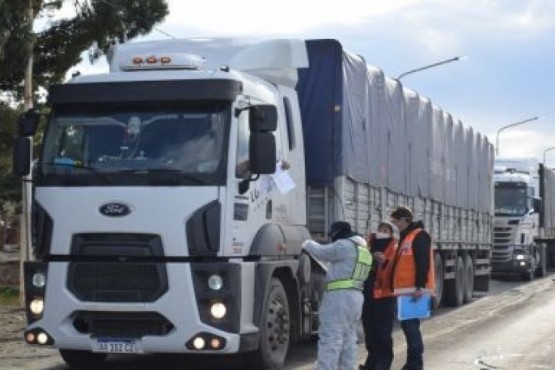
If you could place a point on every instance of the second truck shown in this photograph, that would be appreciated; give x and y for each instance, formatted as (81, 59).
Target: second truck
(524, 234)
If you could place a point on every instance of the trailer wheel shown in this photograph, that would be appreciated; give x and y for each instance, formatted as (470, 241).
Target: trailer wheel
(82, 359)
(541, 270)
(274, 330)
(469, 279)
(438, 271)
(454, 289)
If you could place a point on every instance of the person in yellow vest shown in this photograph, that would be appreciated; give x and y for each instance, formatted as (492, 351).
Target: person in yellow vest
(349, 263)
(378, 310)
(412, 274)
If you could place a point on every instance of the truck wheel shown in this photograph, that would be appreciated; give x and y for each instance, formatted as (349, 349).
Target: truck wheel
(469, 279)
(274, 330)
(454, 289)
(82, 359)
(528, 275)
(438, 271)
(541, 270)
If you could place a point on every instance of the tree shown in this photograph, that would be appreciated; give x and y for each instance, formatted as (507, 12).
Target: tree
(55, 50)
(10, 185)
(58, 48)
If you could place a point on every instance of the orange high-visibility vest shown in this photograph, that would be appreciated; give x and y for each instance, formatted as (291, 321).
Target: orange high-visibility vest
(382, 284)
(404, 269)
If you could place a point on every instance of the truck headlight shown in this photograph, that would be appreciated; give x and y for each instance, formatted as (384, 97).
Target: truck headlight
(218, 310)
(519, 257)
(37, 306)
(215, 282)
(39, 280)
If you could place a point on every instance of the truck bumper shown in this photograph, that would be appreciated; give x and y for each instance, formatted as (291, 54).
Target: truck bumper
(514, 266)
(170, 324)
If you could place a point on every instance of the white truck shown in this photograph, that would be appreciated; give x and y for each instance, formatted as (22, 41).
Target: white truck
(524, 233)
(159, 224)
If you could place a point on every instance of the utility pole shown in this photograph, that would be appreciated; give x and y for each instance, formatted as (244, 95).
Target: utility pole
(26, 195)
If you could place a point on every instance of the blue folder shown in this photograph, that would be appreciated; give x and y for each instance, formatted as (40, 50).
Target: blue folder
(409, 308)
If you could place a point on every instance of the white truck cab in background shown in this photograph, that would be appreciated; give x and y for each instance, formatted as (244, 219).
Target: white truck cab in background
(519, 208)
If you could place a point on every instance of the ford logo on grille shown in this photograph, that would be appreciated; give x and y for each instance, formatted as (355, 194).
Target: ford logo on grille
(115, 210)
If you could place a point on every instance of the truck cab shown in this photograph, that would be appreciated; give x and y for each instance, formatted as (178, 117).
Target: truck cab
(157, 226)
(517, 218)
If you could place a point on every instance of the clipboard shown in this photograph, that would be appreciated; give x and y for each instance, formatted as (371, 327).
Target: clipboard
(409, 308)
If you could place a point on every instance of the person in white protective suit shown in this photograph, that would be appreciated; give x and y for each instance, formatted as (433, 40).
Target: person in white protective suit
(349, 263)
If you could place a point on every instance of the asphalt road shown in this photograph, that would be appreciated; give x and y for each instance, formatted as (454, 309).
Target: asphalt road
(487, 334)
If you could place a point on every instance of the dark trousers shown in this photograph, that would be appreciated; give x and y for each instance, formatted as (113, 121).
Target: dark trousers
(415, 345)
(377, 320)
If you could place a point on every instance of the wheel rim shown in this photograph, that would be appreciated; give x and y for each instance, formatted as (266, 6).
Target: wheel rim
(277, 328)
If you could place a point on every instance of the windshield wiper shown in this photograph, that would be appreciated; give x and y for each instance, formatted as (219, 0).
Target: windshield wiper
(93, 170)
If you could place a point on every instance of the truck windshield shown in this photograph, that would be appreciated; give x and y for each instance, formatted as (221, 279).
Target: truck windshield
(510, 199)
(150, 144)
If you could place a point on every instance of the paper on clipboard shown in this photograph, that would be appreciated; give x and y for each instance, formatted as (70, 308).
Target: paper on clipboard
(409, 308)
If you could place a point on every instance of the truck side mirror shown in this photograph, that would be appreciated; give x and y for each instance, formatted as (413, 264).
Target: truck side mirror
(28, 122)
(22, 156)
(262, 118)
(262, 153)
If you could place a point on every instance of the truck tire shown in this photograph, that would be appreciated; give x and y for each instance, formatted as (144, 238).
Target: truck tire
(77, 359)
(541, 270)
(469, 279)
(454, 288)
(528, 275)
(438, 271)
(551, 254)
(275, 328)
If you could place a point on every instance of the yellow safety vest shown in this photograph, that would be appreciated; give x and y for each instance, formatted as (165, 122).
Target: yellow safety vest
(360, 272)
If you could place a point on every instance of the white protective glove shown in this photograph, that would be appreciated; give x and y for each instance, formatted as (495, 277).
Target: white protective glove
(307, 242)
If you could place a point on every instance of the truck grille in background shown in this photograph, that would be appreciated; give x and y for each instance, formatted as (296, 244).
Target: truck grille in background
(502, 250)
(502, 235)
(115, 268)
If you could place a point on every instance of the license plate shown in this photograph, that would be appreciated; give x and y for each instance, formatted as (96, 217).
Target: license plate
(116, 346)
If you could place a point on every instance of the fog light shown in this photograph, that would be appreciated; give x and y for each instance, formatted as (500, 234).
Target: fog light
(39, 280)
(215, 282)
(199, 343)
(218, 310)
(42, 338)
(523, 263)
(36, 306)
(30, 337)
(215, 343)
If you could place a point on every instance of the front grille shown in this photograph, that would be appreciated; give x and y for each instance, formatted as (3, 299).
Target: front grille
(117, 281)
(121, 324)
(107, 268)
(502, 235)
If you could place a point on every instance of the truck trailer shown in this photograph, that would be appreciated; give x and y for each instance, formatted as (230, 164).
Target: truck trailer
(160, 222)
(524, 233)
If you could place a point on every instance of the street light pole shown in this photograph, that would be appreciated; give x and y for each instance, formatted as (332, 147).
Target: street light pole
(508, 126)
(545, 152)
(431, 66)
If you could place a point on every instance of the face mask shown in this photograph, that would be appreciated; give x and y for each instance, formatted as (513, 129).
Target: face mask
(382, 236)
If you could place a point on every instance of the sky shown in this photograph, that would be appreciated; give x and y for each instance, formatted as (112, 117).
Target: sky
(509, 75)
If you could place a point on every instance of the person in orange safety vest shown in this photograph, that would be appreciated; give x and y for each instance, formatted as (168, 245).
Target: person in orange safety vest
(412, 274)
(378, 311)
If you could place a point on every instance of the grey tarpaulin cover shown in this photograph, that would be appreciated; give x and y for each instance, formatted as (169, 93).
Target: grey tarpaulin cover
(361, 124)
